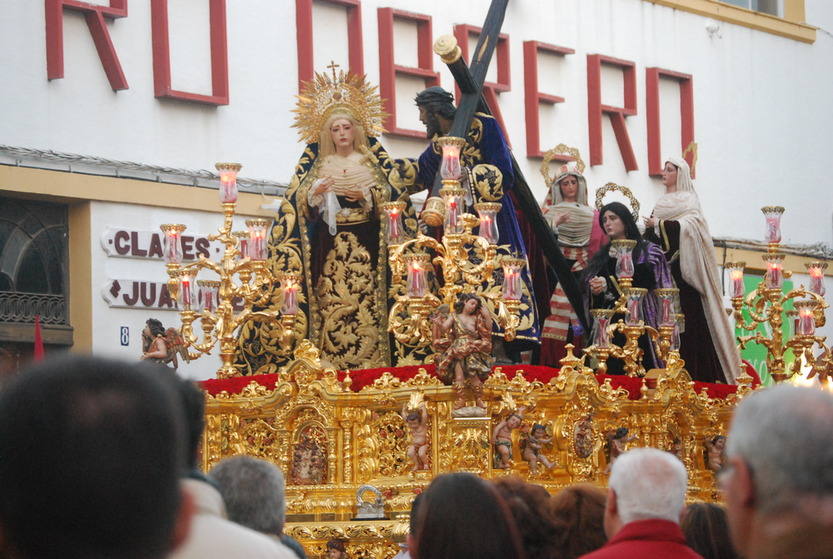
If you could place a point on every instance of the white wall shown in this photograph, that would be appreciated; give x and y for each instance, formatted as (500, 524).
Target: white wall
(762, 102)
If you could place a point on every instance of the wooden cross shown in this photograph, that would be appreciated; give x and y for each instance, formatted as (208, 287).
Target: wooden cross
(470, 81)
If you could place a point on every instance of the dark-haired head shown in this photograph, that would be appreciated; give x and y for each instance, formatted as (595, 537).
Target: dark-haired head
(155, 327)
(578, 511)
(706, 531)
(463, 298)
(91, 459)
(437, 101)
(530, 507)
(462, 515)
(434, 104)
(623, 213)
(191, 401)
(600, 259)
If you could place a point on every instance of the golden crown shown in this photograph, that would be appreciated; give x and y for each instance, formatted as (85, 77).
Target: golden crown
(343, 92)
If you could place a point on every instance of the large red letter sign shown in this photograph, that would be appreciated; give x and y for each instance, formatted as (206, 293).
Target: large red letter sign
(503, 83)
(162, 55)
(617, 115)
(388, 69)
(533, 97)
(652, 77)
(304, 40)
(94, 15)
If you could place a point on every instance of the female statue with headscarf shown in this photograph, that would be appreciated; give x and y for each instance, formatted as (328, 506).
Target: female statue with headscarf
(677, 224)
(579, 237)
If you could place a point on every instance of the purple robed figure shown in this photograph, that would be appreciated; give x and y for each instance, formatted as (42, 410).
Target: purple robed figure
(651, 272)
(485, 144)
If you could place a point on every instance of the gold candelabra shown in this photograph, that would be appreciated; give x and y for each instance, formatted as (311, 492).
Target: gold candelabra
(244, 282)
(665, 338)
(765, 305)
(466, 260)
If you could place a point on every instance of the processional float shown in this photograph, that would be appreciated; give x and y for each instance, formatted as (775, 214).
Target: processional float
(341, 435)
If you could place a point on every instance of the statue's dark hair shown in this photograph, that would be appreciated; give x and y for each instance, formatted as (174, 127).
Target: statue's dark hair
(599, 260)
(438, 101)
(155, 326)
(461, 301)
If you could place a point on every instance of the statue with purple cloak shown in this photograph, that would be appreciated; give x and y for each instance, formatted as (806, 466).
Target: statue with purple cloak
(651, 271)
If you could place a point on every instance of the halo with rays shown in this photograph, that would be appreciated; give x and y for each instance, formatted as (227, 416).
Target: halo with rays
(326, 95)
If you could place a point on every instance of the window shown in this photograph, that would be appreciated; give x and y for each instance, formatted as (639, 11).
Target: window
(786, 18)
(765, 6)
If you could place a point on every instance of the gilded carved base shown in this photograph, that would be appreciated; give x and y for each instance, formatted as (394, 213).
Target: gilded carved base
(329, 441)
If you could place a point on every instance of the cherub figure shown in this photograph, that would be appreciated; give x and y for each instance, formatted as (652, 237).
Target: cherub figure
(532, 445)
(417, 421)
(715, 449)
(502, 437)
(583, 437)
(160, 345)
(616, 441)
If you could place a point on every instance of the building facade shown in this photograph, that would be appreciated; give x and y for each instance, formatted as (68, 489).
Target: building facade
(112, 107)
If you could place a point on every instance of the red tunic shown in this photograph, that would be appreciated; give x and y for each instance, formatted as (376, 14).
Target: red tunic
(644, 539)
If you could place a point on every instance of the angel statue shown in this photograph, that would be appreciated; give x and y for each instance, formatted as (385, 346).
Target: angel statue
(463, 341)
(532, 446)
(328, 232)
(162, 346)
(415, 415)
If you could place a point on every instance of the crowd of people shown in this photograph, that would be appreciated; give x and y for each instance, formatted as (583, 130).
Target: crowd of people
(98, 458)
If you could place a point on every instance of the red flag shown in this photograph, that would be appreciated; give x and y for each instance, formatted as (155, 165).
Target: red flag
(38, 353)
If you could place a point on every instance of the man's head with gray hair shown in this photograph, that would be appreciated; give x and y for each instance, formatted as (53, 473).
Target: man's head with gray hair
(779, 461)
(253, 491)
(645, 483)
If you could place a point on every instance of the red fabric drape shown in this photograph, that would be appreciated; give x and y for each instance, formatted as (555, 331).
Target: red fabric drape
(366, 377)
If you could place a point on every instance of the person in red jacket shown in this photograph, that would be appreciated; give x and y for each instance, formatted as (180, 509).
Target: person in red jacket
(645, 502)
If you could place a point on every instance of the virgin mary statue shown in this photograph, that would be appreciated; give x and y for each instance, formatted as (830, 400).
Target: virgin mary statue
(328, 232)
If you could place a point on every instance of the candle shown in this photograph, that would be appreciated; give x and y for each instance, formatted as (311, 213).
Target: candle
(452, 215)
(806, 320)
(774, 272)
(208, 294)
(228, 181)
(736, 276)
(487, 212)
(417, 267)
(173, 242)
(185, 288)
(816, 271)
(675, 338)
(667, 312)
(601, 339)
(258, 228)
(634, 306)
(290, 296)
(624, 258)
(393, 213)
(450, 168)
(512, 278)
(772, 215)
